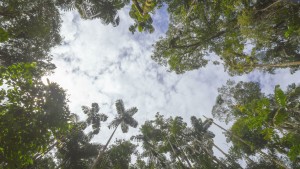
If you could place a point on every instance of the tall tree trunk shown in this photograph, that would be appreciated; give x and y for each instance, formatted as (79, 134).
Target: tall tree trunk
(243, 141)
(181, 163)
(286, 64)
(158, 157)
(184, 155)
(226, 155)
(219, 150)
(220, 163)
(215, 158)
(101, 152)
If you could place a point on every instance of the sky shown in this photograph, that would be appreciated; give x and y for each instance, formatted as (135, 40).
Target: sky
(100, 63)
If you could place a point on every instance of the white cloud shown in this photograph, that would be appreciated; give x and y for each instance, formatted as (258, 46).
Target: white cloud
(99, 63)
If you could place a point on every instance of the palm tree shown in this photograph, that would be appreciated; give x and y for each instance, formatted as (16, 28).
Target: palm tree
(125, 119)
(105, 10)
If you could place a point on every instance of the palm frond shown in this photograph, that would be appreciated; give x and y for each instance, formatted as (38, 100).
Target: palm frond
(131, 111)
(131, 122)
(85, 109)
(114, 123)
(103, 117)
(74, 117)
(124, 127)
(120, 107)
(95, 108)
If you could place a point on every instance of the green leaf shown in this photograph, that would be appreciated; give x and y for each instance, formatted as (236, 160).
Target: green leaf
(140, 28)
(280, 97)
(3, 35)
(280, 117)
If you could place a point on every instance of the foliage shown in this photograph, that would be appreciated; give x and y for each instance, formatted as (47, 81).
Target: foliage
(105, 10)
(118, 155)
(263, 122)
(75, 149)
(31, 114)
(233, 95)
(3, 35)
(140, 12)
(33, 29)
(125, 119)
(187, 147)
(244, 34)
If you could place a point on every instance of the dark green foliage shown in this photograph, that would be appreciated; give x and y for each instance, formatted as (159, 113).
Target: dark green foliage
(105, 10)
(94, 118)
(46, 162)
(31, 114)
(262, 122)
(118, 156)
(33, 29)
(3, 35)
(123, 118)
(187, 147)
(140, 13)
(232, 95)
(244, 34)
(76, 151)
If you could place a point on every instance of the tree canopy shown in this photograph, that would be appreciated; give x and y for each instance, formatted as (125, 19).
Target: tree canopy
(263, 122)
(244, 34)
(39, 131)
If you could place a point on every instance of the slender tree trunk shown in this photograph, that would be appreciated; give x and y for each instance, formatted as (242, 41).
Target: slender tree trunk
(153, 149)
(217, 148)
(220, 163)
(226, 155)
(184, 155)
(243, 141)
(181, 163)
(38, 156)
(270, 5)
(101, 152)
(286, 64)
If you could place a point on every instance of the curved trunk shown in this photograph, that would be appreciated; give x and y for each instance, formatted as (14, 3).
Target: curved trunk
(103, 150)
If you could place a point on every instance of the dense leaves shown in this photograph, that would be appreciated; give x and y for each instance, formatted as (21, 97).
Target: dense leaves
(244, 34)
(32, 28)
(31, 114)
(188, 147)
(263, 122)
(38, 130)
(118, 156)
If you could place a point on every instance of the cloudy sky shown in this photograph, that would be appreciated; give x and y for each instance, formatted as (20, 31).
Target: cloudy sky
(100, 63)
